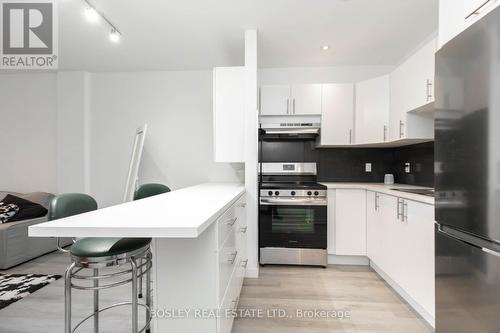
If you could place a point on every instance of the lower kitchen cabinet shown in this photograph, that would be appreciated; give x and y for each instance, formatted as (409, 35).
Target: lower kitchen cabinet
(400, 243)
(350, 222)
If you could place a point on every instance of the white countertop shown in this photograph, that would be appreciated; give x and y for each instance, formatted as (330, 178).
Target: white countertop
(183, 213)
(386, 189)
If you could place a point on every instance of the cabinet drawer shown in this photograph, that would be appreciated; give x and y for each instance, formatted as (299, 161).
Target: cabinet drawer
(228, 259)
(225, 224)
(229, 303)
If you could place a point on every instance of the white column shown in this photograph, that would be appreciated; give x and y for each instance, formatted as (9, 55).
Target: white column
(251, 149)
(73, 127)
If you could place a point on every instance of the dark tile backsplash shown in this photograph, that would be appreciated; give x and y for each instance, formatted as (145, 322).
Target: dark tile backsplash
(348, 164)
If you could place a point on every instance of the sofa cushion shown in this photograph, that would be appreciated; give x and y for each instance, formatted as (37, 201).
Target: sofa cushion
(27, 209)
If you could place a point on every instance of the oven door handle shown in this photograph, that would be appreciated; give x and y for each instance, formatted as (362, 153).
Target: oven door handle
(292, 202)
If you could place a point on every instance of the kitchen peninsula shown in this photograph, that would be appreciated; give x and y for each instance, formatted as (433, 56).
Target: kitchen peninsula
(199, 248)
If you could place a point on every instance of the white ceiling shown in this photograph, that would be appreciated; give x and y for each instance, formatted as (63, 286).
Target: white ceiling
(201, 34)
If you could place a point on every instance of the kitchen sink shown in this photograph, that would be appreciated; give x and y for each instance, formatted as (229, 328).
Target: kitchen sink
(422, 191)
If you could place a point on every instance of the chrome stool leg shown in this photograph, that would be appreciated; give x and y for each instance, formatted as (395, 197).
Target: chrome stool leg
(135, 326)
(96, 301)
(140, 278)
(67, 298)
(148, 292)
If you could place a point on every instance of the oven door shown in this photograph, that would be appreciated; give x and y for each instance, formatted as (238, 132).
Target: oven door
(293, 225)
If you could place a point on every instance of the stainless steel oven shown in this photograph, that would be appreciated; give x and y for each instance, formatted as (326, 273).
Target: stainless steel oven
(292, 216)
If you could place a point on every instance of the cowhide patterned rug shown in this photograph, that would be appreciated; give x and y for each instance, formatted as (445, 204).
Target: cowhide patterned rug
(14, 287)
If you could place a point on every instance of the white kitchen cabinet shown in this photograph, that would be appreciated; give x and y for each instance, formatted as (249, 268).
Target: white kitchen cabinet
(350, 222)
(418, 233)
(412, 89)
(374, 236)
(331, 222)
(275, 100)
(457, 15)
(337, 117)
(282, 100)
(306, 99)
(229, 115)
(372, 110)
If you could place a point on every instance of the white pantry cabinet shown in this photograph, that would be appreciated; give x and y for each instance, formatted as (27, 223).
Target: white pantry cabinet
(229, 114)
(411, 89)
(457, 15)
(337, 114)
(372, 110)
(282, 100)
(350, 222)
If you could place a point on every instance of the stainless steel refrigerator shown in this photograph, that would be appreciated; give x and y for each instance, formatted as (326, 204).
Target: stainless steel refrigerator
(467, 180)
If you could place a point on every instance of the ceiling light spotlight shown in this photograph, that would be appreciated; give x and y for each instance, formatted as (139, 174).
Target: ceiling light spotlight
(114, 36)
(91, 14)
(325, 47)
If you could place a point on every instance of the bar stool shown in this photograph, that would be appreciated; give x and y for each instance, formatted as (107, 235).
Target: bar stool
(146, 191)
(93, 254)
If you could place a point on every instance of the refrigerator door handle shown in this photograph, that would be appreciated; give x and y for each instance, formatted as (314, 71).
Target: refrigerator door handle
(496, 254)
(471, 240)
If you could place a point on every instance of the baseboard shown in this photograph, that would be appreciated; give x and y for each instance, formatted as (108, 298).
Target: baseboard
(334, 259)
(252, 272)
(400, 291)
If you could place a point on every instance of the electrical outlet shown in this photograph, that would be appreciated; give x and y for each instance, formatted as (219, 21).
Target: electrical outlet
(407, 167)
(368, 167)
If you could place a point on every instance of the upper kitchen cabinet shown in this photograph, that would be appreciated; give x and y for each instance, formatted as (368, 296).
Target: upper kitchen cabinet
(412, 91)
(372, 110)
(337, 116)
(282, 100)
(229, 115)
(275, 100)
(457, 15)
(306, 99)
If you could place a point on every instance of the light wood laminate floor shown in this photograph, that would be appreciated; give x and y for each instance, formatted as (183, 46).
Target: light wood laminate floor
(372, 305)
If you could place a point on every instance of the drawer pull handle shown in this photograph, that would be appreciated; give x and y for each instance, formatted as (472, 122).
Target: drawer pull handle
(231, 222)
(235, 303)
(243, 204)
(232, 257)
(244, 263)
(243, 230)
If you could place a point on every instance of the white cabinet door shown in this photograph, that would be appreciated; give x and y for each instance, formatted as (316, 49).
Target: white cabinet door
(337, 118)
(275, 100)
(388, 259)
(411, 88)
(372, 110)
(451, 20)
(374, 231)
(418, 247)
(306, 99)
(331, 222)
(229, 115)
(350, 222)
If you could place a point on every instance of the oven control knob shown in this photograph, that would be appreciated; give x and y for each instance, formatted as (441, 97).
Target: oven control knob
(292, 193)
(277, 193)
(309, 193)
(270, 193)
(316, 193)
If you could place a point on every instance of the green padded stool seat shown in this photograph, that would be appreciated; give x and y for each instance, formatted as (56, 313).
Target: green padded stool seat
(149, 190)
(105, 247)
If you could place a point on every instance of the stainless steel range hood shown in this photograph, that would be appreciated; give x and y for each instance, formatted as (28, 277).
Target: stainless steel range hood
(291, 128)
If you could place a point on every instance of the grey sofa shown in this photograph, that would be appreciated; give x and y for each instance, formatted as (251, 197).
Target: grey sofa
(15, 245)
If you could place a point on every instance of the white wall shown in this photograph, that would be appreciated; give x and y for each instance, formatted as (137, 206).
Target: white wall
(340, 74)
(28, 132)
(178, 151)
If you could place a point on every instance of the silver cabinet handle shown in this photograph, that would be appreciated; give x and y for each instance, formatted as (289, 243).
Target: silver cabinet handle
(293, 102)
(231, 222)
(377, 206)
(429, 90)
(478, 9)
(243, 230)
(405, 211)
(400, 205)
(232, 257)
(401, 126)
(287, 106)
(260, 100)
(235, 303)
(244, 263)
(350, 136)
(243, 204)
(385, 133)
